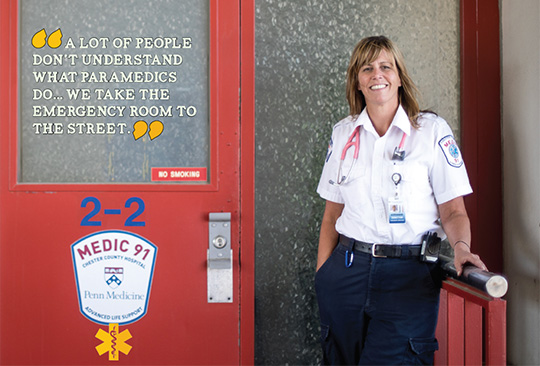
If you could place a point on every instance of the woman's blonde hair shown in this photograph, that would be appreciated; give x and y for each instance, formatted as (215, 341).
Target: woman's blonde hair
(367, 51)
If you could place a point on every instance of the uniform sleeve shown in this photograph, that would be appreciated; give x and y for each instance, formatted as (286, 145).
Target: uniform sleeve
(448, 174)
(326, 189)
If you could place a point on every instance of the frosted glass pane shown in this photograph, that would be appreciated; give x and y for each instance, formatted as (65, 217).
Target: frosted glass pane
(113, 91)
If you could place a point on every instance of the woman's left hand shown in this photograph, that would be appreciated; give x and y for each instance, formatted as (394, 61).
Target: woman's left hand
(463, 255)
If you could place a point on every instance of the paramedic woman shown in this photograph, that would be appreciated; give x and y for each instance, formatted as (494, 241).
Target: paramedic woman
(392, 174)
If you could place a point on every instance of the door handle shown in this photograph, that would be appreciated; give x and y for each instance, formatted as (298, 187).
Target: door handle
(219, 267)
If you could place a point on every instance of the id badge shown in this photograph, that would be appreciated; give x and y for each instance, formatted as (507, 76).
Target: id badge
(396, 213)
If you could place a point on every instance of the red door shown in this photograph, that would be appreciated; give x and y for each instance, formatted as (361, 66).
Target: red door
(120, 200)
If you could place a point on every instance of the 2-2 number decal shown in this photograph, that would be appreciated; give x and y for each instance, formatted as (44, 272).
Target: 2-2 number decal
(95, 205)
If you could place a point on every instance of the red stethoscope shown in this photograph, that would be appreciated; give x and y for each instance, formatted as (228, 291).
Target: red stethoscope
(354, 140)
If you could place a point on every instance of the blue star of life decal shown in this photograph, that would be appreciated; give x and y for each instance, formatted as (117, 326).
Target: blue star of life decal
(451, 151)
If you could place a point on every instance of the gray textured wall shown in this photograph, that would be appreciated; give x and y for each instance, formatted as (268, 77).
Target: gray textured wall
(302, 52)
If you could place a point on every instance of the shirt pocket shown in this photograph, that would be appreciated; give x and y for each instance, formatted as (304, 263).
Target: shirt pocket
(356, 188)
(416, 182)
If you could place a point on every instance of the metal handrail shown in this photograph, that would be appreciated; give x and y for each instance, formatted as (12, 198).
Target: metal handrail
(495, 285)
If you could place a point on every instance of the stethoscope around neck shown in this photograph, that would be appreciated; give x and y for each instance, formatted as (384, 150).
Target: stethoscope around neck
(354, 141)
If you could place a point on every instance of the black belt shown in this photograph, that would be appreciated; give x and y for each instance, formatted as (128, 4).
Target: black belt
(382, 250)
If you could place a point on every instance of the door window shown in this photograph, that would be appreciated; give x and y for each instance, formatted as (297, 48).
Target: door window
(114, 92)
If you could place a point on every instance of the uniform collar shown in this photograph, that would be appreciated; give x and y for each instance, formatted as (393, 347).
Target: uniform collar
(401, 121)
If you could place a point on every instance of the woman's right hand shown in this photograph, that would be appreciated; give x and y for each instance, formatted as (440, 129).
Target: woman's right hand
(328, 237)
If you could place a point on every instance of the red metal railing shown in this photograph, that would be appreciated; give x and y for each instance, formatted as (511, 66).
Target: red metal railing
(471, 328)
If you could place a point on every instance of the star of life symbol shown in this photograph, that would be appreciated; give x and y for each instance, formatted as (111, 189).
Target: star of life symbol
(454, 151)
(114, 276)
(114, 342)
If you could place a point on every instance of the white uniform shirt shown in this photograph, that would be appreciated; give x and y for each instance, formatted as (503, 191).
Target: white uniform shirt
(432, 173)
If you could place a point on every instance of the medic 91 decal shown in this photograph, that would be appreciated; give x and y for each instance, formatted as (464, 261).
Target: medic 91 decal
(113, 271)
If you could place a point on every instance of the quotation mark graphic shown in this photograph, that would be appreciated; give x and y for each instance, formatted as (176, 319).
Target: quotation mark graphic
(40, 39)
(141, 127)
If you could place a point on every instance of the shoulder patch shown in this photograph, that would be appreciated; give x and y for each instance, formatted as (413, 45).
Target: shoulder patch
(451, 151)
(329, 153)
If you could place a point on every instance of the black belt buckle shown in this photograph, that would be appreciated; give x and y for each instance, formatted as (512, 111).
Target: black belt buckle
(431, 246)
(374, 250)
(386, 251)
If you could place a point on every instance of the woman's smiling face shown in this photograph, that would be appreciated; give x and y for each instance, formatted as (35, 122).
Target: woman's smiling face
(379, 81)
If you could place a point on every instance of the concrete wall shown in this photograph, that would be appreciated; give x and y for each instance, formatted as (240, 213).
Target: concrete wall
(521, 166)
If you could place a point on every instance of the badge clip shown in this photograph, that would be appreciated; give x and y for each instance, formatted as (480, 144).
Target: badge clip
(399, 154)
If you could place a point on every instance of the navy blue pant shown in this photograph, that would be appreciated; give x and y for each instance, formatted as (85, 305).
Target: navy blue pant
(379, 311)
